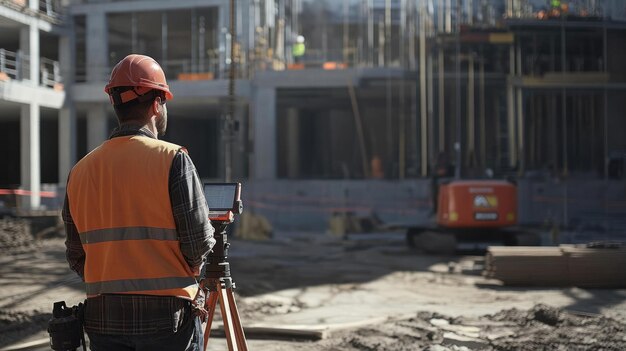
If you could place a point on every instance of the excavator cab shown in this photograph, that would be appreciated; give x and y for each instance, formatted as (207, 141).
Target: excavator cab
(477, 204)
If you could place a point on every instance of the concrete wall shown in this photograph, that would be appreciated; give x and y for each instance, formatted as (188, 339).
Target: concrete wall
(576, 203)
(307, 205)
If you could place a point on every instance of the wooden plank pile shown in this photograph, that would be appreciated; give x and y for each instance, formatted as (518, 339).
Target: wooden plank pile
(565, 265)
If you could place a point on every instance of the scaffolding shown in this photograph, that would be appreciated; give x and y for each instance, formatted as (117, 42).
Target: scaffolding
(509, 86)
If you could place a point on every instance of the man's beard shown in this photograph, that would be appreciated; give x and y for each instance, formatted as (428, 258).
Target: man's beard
(161, 123)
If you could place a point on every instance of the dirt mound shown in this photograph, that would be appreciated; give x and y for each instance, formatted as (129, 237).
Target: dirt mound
(544, 327)
(540, 328)
(15, 236)
(15, 326)
(403, 335)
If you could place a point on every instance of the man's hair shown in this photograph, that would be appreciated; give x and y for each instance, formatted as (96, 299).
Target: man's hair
(136, 109)
(133, 110)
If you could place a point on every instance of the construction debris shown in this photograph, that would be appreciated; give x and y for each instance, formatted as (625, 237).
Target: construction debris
(566, 265)
(540, 328)
(15, 236)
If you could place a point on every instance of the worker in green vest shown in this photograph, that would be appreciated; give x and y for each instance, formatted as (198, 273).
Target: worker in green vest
(299, 48)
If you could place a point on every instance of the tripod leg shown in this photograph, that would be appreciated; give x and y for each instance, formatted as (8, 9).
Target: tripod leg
(238, 329)
(210, 305)
(227, 318)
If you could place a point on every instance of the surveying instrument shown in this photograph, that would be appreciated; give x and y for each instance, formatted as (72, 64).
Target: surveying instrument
(224, 200)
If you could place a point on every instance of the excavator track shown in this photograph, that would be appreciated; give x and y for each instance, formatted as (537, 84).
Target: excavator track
(441, 241)
(431, 241)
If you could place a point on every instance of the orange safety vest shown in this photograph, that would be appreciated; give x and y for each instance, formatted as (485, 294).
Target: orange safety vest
(119, 200)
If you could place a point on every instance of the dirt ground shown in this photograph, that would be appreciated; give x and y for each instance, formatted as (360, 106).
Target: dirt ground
(366, 292)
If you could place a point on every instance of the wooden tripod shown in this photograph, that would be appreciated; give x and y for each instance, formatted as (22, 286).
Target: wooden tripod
(219, 286)
(222, 290)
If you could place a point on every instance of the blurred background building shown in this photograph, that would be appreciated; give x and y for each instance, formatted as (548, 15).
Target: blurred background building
(339, 103)
(33, 43)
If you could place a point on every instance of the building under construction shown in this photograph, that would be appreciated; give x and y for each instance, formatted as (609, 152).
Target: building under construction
(33, 117)
(360, 101)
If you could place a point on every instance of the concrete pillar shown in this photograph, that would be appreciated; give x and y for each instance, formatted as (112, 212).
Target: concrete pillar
(30, 164)
(97, 126)
(520, 130)
(67, 115)
(30, 176)
(520, 112)
(223, 23)
(293, 143)
(511, 109)
(67, 141)
(97, 47)
(29, 46)
(246, 39)
(265, 133)
(424, 127)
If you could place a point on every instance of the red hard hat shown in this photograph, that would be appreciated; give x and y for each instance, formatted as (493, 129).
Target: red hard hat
(142, 73)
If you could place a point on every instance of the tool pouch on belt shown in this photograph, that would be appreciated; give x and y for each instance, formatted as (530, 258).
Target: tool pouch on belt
(66, 327)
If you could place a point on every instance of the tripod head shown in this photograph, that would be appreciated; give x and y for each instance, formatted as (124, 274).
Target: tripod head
(224, 200)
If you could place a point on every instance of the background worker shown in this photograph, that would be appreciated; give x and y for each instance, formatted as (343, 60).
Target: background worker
(137, 223)
(299, 48)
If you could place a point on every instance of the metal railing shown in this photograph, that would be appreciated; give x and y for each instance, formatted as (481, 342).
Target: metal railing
(10, 64)
(51, 8)
(16, 66)
(50, 73)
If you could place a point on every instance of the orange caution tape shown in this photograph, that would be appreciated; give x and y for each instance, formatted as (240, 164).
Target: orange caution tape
(27, 192)
(329, 209)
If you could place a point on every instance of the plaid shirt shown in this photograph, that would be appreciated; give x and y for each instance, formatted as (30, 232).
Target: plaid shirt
(141, 314)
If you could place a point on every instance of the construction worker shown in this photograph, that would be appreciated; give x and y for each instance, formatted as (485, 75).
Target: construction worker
(137, 223)
(299, 48)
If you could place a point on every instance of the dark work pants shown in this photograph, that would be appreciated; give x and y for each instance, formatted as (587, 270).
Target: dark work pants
(188, 338)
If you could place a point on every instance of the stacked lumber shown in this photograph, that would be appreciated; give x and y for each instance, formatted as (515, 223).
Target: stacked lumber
(598, 268)
(557, 266)
(526, 265)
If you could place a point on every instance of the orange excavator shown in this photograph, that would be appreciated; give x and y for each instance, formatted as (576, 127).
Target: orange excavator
(471, 214)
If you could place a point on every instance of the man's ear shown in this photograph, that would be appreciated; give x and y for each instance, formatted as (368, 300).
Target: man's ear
(156, 105)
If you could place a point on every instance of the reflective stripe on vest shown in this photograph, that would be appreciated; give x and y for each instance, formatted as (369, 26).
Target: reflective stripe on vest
(138, 285)
(119, 200)
(130, 233)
